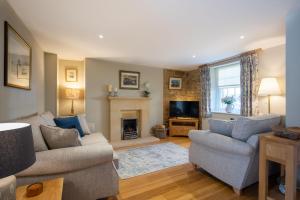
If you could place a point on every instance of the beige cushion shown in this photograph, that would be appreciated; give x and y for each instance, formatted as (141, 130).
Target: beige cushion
(47, 118)
(84, 124)
(93, 139)
(38, 140)
(57, 138)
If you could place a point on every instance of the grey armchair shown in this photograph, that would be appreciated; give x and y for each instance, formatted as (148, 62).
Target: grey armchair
(234, 161)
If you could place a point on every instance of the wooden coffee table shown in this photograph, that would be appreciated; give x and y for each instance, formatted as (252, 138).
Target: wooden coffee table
(52, 191)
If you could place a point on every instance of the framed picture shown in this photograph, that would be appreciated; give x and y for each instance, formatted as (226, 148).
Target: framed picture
(17, 60)
(175, 83)
(129, 80)
(71, 75)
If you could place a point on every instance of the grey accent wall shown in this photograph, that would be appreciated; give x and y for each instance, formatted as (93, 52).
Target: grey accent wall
(293, 69)
(14, 102)
(50, 61)
(101, 73)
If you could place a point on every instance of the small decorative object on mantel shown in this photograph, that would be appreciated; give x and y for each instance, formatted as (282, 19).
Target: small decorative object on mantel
(34, 189)
(229, 101)
(129, 80)
(175, 83)
(109, 89)
(292, 133)
(116, 92)
(17, 59)
(146, 92)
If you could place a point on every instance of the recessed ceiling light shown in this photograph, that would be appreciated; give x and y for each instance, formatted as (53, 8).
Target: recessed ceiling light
(194, 56)
(101, 36)
(242, 37)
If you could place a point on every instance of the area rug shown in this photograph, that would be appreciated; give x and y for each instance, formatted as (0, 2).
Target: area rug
(143, 160)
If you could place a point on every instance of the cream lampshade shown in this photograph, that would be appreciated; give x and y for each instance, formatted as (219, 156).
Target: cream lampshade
(269, 87)
(73, 94)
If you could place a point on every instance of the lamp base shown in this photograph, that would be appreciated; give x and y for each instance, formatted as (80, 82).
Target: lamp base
(8, 188)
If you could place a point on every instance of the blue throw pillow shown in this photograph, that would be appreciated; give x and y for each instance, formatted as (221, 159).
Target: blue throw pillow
(69, 122)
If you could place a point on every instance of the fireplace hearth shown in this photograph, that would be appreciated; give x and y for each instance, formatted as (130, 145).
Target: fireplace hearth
(129, 128)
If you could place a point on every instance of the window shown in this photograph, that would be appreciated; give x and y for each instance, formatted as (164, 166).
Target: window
(225, 81)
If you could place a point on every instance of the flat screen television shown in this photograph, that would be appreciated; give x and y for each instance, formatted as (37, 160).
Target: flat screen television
(189, 109)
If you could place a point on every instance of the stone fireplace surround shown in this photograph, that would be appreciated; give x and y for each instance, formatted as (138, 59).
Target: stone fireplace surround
(122, 107)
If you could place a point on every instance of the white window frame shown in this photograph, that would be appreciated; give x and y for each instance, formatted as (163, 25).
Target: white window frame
(216, 90)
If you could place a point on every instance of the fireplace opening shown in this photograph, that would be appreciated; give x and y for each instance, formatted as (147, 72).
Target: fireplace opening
(129, 128)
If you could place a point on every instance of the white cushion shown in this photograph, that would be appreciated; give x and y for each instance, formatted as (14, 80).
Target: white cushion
(84, 124)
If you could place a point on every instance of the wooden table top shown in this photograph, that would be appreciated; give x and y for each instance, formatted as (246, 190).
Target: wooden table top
(273, 138)
(52, 191)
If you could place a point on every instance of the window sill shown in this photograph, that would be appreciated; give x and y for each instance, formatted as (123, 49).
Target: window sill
(224, 113)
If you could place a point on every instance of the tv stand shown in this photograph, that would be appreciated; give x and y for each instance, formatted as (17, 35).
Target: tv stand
(181, 126)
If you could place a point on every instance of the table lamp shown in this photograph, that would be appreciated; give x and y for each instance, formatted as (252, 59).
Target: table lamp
(73, 94)
(269, 87)
(16, 154)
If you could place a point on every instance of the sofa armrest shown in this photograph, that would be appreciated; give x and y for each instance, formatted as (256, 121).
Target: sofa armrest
(69, 159)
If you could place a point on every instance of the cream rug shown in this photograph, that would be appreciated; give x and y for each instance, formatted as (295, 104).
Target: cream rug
(138, 161)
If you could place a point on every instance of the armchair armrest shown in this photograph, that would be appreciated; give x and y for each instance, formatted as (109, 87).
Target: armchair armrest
(254, 139)
(69, 159)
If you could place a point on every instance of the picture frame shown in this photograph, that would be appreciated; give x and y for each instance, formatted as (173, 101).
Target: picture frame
(17, 59)
(175, 83)
(129, 80)
(71, 74)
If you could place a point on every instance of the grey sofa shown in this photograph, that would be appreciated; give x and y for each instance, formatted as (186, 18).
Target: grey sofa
(89, 171)
(232, 154)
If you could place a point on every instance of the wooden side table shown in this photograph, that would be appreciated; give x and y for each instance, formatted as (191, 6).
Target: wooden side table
(182, 126)
(285, 152)
(52, 191)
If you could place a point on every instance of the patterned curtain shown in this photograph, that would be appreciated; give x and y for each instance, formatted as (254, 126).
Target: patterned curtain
(205, 108)
(249, 84)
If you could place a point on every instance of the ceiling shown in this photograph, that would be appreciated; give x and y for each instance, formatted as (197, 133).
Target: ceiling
(158, 33)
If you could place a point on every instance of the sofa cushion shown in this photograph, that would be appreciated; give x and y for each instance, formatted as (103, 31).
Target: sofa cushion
(38, 140)
(221, 143)
(69, 122)
(47, 118)
(223, 127)
(248, 126)
(57, 138)
(83, 123)
(93, 139)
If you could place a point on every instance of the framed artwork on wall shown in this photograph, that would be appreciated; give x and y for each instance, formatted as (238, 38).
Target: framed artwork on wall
(129, 80)
(17, 60)
(71, 75)
(175, 83)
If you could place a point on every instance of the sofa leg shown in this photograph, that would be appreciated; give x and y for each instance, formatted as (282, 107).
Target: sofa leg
(195, 166)
(237, 191)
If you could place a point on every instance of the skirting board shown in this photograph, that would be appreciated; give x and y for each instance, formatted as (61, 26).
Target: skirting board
(133, 142)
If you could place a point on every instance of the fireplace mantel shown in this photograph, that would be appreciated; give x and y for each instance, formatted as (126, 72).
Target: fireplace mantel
(119, 105)
(129, 98)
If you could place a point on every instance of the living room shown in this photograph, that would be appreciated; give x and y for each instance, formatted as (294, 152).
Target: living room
(149, 99)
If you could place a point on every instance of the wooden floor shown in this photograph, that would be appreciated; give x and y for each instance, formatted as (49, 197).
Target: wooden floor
(180, 183)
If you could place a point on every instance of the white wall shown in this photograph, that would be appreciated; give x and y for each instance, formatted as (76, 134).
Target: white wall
(293, 68)
(101, 73)
(271, 64)
(50, 62)
(14, 102)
